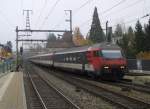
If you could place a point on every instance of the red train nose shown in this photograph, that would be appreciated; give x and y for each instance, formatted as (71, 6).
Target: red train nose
(114, 62)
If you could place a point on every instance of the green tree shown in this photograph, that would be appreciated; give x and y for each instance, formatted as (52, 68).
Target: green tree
(109, 36)
(130, 33)
(9, 44)
(123, 43)
(118, 31)
(96, 32)
(127, 43)
(139, 37)
(50, 38)
(147, 36)
(131, 49)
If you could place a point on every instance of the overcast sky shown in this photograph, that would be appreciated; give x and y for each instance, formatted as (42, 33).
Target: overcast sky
(47, 16)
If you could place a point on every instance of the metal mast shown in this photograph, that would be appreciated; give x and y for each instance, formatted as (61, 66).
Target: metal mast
(27, 20)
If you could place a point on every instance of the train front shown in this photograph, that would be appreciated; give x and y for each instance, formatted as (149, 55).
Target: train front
(114, 64)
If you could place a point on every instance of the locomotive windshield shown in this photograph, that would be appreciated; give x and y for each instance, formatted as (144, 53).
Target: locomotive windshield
(112, 54)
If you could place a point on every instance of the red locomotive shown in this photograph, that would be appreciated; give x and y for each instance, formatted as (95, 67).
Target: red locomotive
(100, 60)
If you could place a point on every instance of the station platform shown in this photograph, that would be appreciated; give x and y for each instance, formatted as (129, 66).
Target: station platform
(12, 95)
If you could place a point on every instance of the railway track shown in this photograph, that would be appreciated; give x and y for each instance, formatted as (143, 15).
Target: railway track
(133, 86)
(47, 96)
(32, 100)
(120, 100)
(125, 83)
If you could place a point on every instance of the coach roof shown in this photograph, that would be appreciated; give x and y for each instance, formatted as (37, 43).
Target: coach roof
(106, 45)
(103, 45)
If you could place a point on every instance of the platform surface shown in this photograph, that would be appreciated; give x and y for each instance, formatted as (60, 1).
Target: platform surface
(12, 94)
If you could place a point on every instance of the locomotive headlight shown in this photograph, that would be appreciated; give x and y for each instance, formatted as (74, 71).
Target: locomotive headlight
(122, 67)
(106, 67)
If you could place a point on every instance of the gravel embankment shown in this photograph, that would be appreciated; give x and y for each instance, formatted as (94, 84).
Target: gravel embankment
(81, 98)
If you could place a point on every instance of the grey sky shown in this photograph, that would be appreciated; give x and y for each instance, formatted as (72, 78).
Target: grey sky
(11, 14)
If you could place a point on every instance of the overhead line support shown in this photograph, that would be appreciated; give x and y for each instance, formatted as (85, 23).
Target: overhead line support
(30, 40)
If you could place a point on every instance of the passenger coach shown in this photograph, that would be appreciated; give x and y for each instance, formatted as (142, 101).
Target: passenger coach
(100, 60)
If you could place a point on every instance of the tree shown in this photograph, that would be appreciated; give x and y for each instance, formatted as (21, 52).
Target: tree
(131, 44)
(131, 37)
(123, 43)
(96, 32)
(127, 43)
(147, 37)
(109, 36)
(139, 37)
(78, 38)
(9, 45)
(118, 31)
(130, 32)
(50, 38)
(67, 37)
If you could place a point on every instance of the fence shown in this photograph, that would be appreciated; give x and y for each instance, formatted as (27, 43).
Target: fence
(135, 64)
(7, 66)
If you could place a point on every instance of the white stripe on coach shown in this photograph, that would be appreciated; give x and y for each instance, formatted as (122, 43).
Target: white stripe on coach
(88, 67)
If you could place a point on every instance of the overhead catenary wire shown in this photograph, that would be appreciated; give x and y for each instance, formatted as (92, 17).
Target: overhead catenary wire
(134, 20)
(50, 12)
(135, 3)
(75, 11)
(83, 5)
(105, 11)
(116, 5)
(41, 12)
(130, 21)
(127, 7)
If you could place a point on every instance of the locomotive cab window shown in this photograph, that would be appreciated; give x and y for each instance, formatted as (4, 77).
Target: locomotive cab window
(97, 53)
(112, 53)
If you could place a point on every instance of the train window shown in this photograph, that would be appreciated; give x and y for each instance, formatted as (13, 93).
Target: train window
(96, 53)
(67, 59)
(64, 59)
(78, 58)
(74, 59)
(70, 58)
(100, 53)
(112, 53)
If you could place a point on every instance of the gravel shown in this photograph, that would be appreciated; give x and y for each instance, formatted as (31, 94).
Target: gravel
(78, 96)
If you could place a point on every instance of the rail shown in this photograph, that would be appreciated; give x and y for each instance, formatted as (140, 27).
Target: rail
(111, 96)
(43, 89)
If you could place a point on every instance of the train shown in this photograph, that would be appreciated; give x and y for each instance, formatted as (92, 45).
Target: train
(102, 60)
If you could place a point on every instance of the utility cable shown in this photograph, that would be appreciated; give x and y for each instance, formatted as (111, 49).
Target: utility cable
(84, 4)
(37, 21)
(133, 20)
(50, 12)
(127, 7)
(116, 5)
(75, 11)
(107, 10)
(135, 3)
